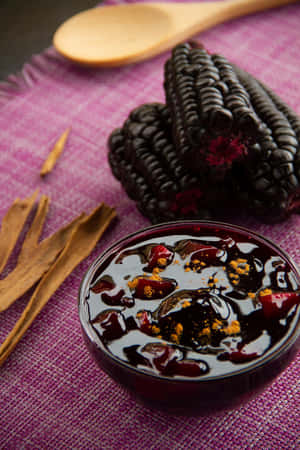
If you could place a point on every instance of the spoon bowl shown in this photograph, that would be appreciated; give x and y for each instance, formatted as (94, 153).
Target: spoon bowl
(111, 36)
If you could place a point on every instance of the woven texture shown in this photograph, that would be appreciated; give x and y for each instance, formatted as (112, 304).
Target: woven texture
(52, 393)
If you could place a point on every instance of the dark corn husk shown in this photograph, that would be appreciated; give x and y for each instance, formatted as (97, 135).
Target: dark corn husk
(143, 158)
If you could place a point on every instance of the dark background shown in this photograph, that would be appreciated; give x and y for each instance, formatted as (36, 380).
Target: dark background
(27, 27)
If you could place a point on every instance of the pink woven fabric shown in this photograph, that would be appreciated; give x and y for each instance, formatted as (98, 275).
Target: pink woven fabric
(52, 393)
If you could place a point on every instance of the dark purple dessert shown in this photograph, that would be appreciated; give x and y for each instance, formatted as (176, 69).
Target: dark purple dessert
(192, 301)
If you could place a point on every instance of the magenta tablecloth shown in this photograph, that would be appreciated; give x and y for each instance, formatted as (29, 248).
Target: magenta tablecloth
(52, 393)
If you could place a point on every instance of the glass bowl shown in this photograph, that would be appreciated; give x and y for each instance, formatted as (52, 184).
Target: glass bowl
(236, 337)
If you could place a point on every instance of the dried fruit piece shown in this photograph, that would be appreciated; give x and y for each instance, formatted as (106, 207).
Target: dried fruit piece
(144, 320)
(190, 368)
(105, 284)
(241, 355)
(243, 352)
(112, 324)
(207, 254)
(152, 288)
(111, 294)
(170, 361)
(161, 356)
(276, 304)
(113, 299)
(160, 256)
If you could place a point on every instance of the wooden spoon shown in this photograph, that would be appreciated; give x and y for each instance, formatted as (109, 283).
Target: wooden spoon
(117, 35)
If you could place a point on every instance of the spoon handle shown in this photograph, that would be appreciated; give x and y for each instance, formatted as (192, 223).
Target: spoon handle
(237, 8)
(198, 16)
(189, 19)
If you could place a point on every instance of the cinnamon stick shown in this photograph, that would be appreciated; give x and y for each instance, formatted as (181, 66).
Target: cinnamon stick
(34, 258)
(35, 230)
(12, 225)
(55, 153)
(83, 239)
